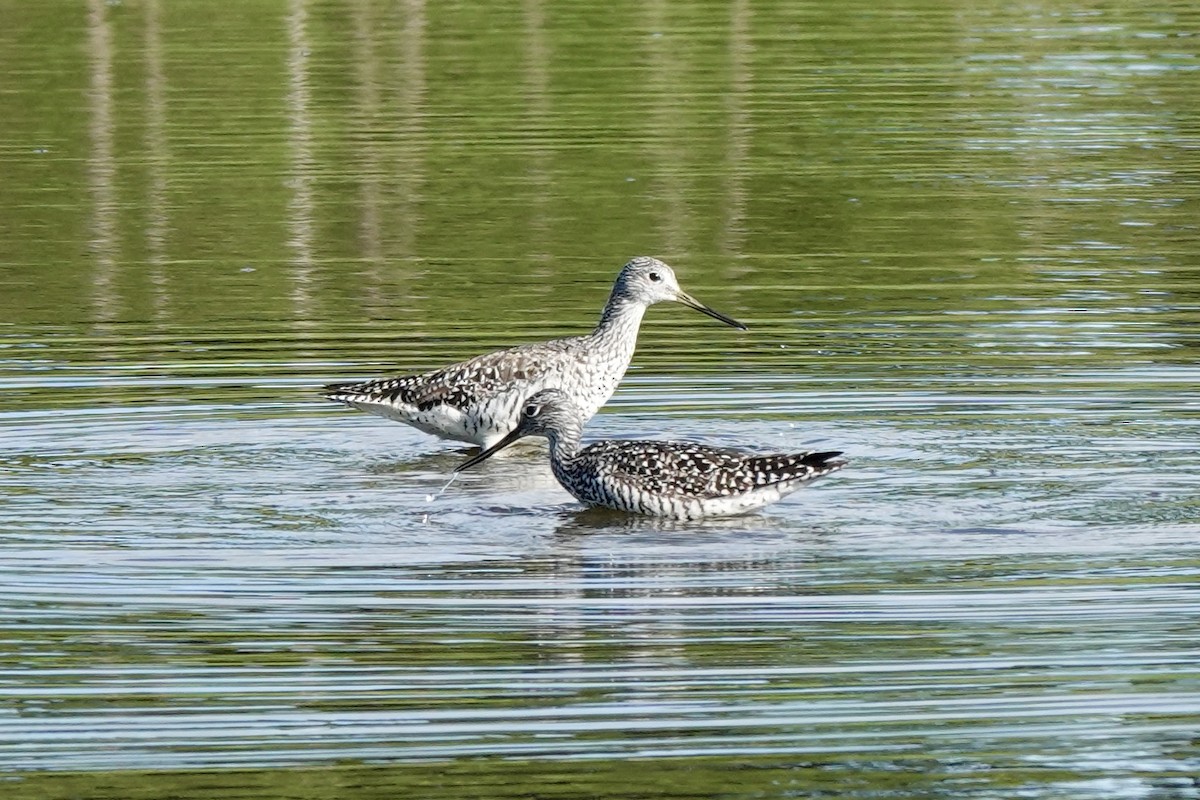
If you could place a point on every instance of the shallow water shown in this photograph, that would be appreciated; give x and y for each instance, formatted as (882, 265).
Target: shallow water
(963, 238)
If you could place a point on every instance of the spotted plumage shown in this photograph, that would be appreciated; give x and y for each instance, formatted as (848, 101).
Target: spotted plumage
(681, 480)
(479, 400)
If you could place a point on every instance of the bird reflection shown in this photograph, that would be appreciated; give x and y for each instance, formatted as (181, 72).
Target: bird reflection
(512, 471)
(587, 521)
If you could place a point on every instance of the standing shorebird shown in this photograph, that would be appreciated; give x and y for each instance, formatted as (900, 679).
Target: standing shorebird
(680, 480)
(479, 400)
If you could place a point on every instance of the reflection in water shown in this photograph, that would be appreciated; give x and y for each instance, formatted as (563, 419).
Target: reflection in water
(102, 167)
(203, 566)
(665, 83)
(409, 85)
(537, 112)
(593, 521)
(367, 147)
(739, 133)
(303, 163)
(439, 462)
(391, 137)
(516, 470)
(158, 158)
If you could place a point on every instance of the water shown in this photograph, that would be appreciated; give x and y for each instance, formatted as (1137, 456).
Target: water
(964, 239)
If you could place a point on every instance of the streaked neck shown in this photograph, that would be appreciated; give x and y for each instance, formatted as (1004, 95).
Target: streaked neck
(564, 442)
(619, 322)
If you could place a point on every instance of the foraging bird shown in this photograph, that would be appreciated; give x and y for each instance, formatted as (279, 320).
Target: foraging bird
(479, 400)
(680, 480)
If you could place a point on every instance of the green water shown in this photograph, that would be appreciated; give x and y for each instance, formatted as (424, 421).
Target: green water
(964, 236)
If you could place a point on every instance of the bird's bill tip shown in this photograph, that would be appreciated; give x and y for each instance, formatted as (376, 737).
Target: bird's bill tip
(486, 453)
(692, 302)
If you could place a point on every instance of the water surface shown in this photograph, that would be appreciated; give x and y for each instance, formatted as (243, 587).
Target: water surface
(963, 237)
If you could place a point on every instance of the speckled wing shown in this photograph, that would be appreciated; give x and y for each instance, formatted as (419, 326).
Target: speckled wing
(466, 383)
(693, 470)
(788, 468)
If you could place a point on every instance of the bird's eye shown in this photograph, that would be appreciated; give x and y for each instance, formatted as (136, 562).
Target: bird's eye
(654, 276)
(532, 410)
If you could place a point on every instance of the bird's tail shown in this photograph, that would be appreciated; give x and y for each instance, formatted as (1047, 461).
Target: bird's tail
(344, 391)
(825, 460)
(802, 467)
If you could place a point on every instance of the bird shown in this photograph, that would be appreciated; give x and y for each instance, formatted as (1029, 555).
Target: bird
(479, 400)
(675, 480)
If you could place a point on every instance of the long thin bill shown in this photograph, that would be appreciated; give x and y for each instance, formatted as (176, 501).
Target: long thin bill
(491, 451)
(692, 302)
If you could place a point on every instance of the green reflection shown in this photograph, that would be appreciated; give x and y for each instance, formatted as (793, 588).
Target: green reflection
(963, 232)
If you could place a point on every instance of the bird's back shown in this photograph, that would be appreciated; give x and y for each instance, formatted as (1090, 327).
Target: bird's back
(479, 400)
(685, 479)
